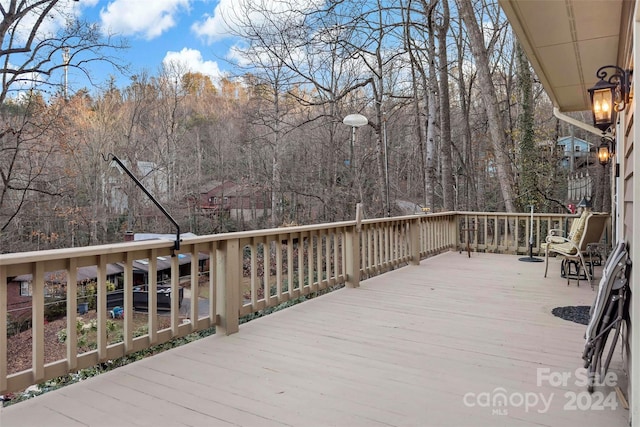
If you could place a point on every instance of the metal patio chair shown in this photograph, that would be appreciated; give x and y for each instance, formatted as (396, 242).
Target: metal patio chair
(607, 314)
(576, 246)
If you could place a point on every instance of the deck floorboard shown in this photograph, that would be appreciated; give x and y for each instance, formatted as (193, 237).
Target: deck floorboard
(403, 349)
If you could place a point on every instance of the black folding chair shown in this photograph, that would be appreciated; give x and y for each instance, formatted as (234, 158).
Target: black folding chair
(608, 312)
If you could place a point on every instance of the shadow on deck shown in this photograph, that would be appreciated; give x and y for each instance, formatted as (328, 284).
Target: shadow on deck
(432, 345)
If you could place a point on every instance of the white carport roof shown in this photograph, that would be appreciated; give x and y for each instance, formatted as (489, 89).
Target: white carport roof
(91, 272)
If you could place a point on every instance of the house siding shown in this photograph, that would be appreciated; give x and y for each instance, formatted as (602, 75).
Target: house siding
(630, 217)
(626, 193)
(17, 306)
(627, 187)
(240, 201)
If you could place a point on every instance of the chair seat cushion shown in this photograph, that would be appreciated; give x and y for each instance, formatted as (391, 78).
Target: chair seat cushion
(563, 248)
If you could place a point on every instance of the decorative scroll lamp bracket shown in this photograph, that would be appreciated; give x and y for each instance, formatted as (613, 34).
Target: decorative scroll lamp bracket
(609, 95)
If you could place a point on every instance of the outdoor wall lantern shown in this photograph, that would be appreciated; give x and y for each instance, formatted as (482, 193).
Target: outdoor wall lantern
(606, 150)
(604, 155)
(609, 96)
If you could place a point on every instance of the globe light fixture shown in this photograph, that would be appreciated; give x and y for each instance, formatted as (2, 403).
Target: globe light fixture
(355, 121)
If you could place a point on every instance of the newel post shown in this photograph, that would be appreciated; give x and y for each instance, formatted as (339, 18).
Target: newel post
(229, 258)
(352, 250)
(454, 241)
(414, 240)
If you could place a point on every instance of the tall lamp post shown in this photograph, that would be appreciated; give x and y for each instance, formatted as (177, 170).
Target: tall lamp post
(65, 60)
(355, 121)
(386, 161)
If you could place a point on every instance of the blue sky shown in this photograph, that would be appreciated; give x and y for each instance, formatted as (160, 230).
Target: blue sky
(193, 33)
(190, 32)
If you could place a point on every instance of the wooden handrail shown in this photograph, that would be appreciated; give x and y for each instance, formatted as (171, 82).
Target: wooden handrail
(247, 272)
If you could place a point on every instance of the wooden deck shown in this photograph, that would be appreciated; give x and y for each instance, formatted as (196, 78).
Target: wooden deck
(428, 345)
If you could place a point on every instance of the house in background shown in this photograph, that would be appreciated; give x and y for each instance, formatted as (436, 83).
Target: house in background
(578, 157)
(238, 201)
(19, 299)
(214, 198)
(19, 288)
(149, 174)
(141, 267)
(575, 152)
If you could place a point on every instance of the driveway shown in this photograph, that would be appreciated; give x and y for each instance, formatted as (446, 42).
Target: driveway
(203, 305)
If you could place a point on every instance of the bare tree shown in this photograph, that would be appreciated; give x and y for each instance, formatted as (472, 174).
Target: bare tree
(489, 96)
(34, 35)
(264, 56)
(465, 82)
(277, 126)
(528, 162)
(446, 143)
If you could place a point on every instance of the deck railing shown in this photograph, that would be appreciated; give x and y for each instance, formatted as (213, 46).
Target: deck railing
(508, 233)
(245, 273)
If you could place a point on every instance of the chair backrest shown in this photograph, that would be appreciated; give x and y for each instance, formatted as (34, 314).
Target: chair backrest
(593, 230)
(577, 226)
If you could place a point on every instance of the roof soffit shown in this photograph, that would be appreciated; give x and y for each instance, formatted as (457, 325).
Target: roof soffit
(566, 42)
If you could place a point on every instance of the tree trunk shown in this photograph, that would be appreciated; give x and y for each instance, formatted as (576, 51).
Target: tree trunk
(490, 98)
(431, 87)
(471, 188)
(528, 174)
(448, 193)
(417, 73)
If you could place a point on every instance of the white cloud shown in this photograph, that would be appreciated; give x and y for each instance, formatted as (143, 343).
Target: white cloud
(141, 17)
(85, 3)
(229, 13)
(213, 27)
(56, 19)
(238, 55)
(27, 81)
(191, 60)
